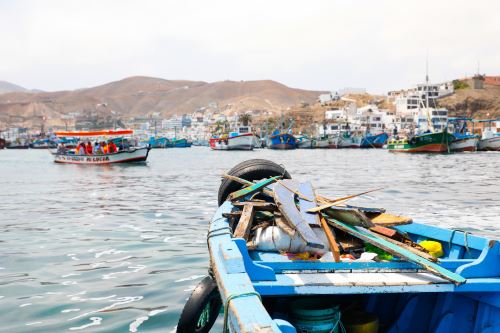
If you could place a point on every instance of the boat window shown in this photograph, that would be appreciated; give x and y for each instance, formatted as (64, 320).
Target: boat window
(243, 130)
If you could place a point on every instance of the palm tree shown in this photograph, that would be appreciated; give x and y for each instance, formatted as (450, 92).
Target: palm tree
(245, 118)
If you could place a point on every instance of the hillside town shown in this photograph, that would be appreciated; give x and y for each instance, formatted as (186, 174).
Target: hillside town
(350, 110)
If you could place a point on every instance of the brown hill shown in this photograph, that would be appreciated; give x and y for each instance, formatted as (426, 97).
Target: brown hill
(475, 103)
(141, 96)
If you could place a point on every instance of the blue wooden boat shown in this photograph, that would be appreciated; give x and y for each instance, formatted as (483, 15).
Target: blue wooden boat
(374, 140)
(258, 290)
(178, 143)
(282, 140)
(158, 142)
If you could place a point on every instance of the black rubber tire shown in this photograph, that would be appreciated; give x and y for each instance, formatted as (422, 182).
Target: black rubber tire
(205, 293)
(254, 169)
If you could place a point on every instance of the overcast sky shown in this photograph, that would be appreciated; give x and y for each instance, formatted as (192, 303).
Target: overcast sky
(324, 45)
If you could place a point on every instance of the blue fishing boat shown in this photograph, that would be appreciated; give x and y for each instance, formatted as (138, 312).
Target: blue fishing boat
(374, 140)
(158, 142)
(178, 143)
(463, 140)
(282, 140)
(271, 291)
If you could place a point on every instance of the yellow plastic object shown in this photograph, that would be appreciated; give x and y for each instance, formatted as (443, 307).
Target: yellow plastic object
(361, 322)
(435, 248)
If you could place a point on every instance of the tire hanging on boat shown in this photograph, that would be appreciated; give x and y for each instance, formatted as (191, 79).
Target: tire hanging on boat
(254, 169)
(201, 309)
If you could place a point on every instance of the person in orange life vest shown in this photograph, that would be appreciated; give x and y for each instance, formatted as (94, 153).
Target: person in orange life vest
(112, 147)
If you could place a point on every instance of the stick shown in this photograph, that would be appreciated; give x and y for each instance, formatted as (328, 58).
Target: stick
(331, 239)
(336, 201)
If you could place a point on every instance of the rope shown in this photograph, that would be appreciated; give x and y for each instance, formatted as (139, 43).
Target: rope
(229, 299)
(466, 240)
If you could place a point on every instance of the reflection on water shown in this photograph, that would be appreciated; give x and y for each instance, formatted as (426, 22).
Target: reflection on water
(120, 248)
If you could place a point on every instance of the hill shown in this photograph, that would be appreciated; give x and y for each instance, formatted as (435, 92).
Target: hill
(475, 103)
(142, 96)
(7, 87)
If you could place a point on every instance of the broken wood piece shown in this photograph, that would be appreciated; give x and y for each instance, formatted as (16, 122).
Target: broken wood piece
(349, 215)
(251, 189)
(398, 251)
(291, 185)
(410, 248)
(247, 183)
(285, 200)
(245, 223)
(258, 205)
(334, 247)
(333, 202)
(391, 233)
(388, 220)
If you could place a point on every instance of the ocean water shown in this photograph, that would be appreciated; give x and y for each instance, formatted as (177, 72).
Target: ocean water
(120, 248)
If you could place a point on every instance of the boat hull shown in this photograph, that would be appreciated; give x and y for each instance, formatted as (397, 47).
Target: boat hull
(425, 143)
(464, 144)
(349, 142)
(126, 156)
(491, 144)
(282, 141)
(240, 142)
(327, 143)
(374, 141)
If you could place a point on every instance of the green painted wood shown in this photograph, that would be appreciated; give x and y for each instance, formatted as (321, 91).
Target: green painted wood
(251, 189)
(285, 200)
(369, 237)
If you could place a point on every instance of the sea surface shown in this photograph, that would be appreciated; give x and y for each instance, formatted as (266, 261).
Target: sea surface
(120, 248)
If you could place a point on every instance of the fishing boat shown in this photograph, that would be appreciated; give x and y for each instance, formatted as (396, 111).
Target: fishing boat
(349, 140)
(444, 281)
(326, 141)
(19, 143)
(43, 144)
(157, 142)
(126, 152)
(463, 140)
(374, 140)
(304, 142)
(422, 143)
(178, 143)
(490, 139)
(281, 140)
(240, 138)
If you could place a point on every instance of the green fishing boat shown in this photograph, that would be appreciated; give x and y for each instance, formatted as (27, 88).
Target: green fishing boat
(423, 143)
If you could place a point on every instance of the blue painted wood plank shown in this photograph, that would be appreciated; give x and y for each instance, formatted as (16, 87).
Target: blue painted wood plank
(307, 190)
(369, 237)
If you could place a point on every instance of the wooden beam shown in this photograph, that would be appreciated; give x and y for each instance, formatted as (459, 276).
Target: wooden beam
(334, 247)
(399, 251)
(245, 222)
(334, 202)
(258, 205)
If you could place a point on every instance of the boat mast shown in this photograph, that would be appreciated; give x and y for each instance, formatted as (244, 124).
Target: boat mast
(426, 90)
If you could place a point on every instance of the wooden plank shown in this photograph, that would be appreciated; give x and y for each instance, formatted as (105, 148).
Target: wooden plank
(409, 248)
(258, 205)
(387, 220)
(331, 239)
(285, 200)
(349, 215)
(385, 245)
(391, 233)
(245, 223)
(251, 189)
(247, 183)
(307, 190)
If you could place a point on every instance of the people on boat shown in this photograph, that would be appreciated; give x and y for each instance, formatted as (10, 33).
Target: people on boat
(81, 149)
(112, 148)
(88, 148)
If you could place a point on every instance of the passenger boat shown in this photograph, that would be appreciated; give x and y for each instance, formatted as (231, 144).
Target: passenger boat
(282, 140)
(374, 140)
(274, 291)
(241, 138)
(490, 139)
(423, 143)
(125, 154)
(463, 140)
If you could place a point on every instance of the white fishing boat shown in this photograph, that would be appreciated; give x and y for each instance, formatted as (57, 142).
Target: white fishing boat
(349, 140)
(490, 139)
(126, 153)
(241, 138)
